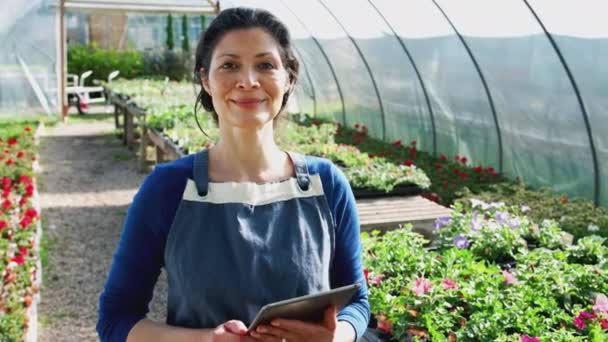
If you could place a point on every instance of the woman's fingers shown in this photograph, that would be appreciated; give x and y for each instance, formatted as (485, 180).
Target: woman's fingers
(236, 327)
(329, 319)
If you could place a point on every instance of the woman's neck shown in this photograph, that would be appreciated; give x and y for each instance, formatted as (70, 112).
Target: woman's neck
(248, 157)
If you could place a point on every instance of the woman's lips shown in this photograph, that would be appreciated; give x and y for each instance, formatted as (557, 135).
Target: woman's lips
(248, 103)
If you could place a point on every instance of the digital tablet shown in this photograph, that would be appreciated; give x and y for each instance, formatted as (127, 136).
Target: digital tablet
(308, 308)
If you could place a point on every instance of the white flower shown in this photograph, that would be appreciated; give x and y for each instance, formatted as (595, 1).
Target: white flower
(563, 218)
(593, 228)
(475, 203)
(389, 297)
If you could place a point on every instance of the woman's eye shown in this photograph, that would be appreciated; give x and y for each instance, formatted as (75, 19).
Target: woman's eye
(228, 65)
(266, 65)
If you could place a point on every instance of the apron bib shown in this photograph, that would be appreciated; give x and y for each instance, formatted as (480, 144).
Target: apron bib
(235, 247)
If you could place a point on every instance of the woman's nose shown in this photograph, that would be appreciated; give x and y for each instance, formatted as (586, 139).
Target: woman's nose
(248, 79)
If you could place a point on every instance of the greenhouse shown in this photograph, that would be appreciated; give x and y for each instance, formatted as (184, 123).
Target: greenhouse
(465, 142)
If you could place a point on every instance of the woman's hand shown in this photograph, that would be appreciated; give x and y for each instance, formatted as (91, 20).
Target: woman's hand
(284, 330)
(231, 331)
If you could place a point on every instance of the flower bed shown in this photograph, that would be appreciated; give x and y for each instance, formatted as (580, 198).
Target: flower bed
(492, 275)
(18, 229)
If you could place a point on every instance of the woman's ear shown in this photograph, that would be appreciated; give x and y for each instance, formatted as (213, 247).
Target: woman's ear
(205, 81)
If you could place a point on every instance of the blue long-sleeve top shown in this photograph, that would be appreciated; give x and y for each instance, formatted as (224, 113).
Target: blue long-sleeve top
(138, 259)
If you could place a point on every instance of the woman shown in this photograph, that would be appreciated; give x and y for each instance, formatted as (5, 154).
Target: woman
(242, 224)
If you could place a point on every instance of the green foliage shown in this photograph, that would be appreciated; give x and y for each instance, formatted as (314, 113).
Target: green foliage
(463, 293)
(173, 64)
(579, 217)
(90, 57)
(169, 32)
(185, 38)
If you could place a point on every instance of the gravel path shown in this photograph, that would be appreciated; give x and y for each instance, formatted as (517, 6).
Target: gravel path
(87, 183)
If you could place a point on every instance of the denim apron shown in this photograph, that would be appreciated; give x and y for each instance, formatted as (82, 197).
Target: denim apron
(235, 247)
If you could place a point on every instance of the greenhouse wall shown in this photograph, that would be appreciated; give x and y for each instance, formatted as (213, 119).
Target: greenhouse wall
(526, 99)
(28, 56)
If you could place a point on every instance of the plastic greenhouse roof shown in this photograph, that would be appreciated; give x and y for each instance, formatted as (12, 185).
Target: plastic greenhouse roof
(184, 6)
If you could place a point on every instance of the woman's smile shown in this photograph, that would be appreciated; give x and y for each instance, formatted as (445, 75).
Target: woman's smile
(248, 103)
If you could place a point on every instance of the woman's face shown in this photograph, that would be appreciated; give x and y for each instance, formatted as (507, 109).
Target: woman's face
(246, 78)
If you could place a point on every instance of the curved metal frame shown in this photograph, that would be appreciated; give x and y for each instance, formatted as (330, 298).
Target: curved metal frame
(483, 81)
(366, 66)
(596, 171)
(331, 68)
(312, 86)
(418, 75)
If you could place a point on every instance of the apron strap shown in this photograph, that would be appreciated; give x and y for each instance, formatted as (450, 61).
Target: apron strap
(299, 164)
(201, 171)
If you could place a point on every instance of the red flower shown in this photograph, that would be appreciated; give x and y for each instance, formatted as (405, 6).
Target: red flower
(371, 155)
(413, 143)
(12, 141)
(397, 143)
(6, 205)
(456, 171)
(6, 182)
(604, 323)
(444, 184)
(463, 160)
(25, 179)
(407, 162)
(364, 128)
(494, 174)
(564, 200)
(479, 169)
(489, 169)
(6, 150)
(27, 129)
(19, 259)
(315, 123)
(457, 158)
(357, 126)
(443, 158)
(339, 124)
(22, 201)
(20, 154)
(31, 213)
(380, 154)
(413, 152)
(386, 326)
(10, 162)
(29, 190)
(26, 221)
(438, 166)
(23, 251)
(3, 224)
(366, 274)
(463, 175)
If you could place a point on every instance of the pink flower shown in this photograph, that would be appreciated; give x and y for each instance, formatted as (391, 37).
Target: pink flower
(579, 323)
(422, 286)
(526, 338)
(587, 315)
(449, 284)
(601, 303)
(377, 279)
(604, 323)
(509, 278)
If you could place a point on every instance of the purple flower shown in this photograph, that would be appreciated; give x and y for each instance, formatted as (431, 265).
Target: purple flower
(501, 217)
(441, 222)
(514, 223)
(524, 208)
(461, 242)
(475, 223)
